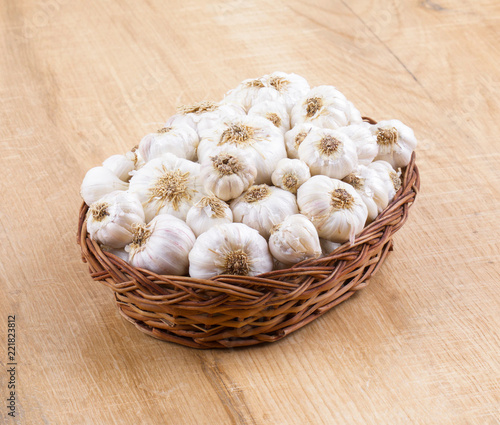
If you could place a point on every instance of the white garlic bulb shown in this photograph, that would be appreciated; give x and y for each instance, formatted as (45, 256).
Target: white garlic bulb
(100, 181)
(167, 185)
(227, 175)
(295, 137)
(371, 188)
(396, 142)
(390, 177)
(328, 152)
(262, 206)
(326, 107)
(274, 112)
(254, 137)
(110, 219)
(233, 249)
(121, 165)
(295, 239)
(282, 87)
(204, 115)
(327, 247)
(364, 139)
(137, 159)
(334, 207)
(209, 211)
(162, 246)
(290, 174)
(119, 252)
(180, 140)
(288, 88)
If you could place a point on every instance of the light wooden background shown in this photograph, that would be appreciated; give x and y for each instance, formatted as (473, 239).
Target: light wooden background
(83, 80)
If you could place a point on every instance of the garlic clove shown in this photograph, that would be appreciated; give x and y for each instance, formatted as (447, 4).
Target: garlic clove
(294, 240)
(334, 207)
(167, 185)
(120, 165)
(254, 137)
(179, 139)
(232, 248)
(162, 246)
(100, 181)
(290, 174)
(396, 142)
(209, 211)
(227, 175)
(262, 206)
(110, 219)
(364, 139)
(328, 152)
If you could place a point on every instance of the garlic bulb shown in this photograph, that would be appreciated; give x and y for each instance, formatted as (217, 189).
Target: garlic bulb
(327, 247)
(334, 207)
(167, 185)
(295, 137)
(137, 159)
(290, 174)
(328, 152)
(119, 252)
(274, 112)
(162, 246)
(233, 249)
(227, 175)
(390, 177)
(262, 206)
(110, 219)
(287, 88)
(254, 137)
(371, 188)
(396, 142)
(120, 165)
(100, 181)
(295, 239)
(364, 139)
(326, 107)
(209, 211)
(180, 140)
(204, 115)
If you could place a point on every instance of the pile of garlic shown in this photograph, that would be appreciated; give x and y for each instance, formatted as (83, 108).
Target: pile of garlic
(274, 174)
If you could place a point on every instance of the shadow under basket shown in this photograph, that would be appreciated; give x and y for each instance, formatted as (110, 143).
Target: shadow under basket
(234, 311)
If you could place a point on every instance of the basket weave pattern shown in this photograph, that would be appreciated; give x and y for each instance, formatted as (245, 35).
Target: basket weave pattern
(232, 311)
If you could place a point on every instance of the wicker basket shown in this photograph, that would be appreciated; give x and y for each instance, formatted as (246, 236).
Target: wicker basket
(232, 311)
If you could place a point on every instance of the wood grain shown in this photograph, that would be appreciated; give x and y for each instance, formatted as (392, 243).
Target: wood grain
(83, 80)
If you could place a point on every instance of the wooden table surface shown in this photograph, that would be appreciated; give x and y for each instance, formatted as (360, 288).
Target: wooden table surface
(83, 80)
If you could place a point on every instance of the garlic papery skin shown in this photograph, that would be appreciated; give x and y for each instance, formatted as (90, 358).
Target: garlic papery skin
(295, 137)
(255, 138)
(396, 142)
(364, 139)
(209, 211)
(290, 174)
(120, 165)
(233, 249)
(326, 107)
(110, 219)
(227, 175)
(261, 207)
(371, 188)
(295, 239)
(328, 152)
(327, 247)
(180, 140)
(204, 115)
(390, 177)
(167, 185)
(280, 86)
(274, 112)
(334, 207)
(162, 246)
(100, 181)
